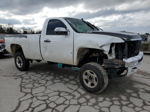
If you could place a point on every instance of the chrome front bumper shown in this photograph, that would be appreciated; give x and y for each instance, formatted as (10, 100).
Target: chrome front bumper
(133, 63)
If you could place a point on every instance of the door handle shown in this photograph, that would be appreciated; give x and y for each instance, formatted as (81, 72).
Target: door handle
(47, 40)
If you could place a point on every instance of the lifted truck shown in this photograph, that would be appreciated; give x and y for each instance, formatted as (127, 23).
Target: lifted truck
(100, 55)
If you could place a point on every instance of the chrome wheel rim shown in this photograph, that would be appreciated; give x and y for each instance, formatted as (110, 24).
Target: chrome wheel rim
(19, 61)
(90, 79)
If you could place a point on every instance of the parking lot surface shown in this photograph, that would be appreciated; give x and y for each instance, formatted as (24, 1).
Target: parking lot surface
(45, 88)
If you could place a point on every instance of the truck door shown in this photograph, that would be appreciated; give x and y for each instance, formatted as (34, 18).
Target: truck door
(57, 47)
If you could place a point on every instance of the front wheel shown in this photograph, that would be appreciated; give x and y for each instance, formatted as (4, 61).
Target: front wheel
(93, 77)
(21, 62)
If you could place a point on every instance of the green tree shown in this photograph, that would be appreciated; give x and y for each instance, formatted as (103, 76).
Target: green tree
(2, 30)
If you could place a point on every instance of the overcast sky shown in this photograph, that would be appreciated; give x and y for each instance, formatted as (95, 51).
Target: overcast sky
(112, 15)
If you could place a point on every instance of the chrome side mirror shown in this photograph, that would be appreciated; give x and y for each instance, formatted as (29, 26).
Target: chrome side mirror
(61, 31)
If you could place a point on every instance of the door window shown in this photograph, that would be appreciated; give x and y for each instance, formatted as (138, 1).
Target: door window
(52, 24)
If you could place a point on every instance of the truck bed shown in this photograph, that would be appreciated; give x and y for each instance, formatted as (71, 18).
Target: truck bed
(30, 44)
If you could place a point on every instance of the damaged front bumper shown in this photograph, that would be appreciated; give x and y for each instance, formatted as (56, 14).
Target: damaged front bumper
(120, 68)
(133, 63)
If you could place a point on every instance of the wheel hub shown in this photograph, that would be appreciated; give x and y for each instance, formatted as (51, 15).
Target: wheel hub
(90, 78)
(19, 61)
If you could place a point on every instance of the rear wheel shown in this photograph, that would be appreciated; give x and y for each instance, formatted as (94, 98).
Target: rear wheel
(93, 77)
(21, 62)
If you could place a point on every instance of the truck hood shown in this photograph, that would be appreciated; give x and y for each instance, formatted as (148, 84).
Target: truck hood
(126, 36)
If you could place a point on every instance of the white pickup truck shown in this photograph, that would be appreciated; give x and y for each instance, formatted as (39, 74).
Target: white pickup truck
(99, 55)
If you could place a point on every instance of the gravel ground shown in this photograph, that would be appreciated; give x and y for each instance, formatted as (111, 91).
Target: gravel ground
(45, 88)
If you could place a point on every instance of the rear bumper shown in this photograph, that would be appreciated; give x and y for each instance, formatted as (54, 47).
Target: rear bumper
(120, 68)
(133, 63)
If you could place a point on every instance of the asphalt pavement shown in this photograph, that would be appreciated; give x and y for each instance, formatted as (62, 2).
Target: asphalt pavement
(45, 88)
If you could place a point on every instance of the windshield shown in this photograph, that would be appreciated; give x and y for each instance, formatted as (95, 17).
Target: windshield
(81, 26)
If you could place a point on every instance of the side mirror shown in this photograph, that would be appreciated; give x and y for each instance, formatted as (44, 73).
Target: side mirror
(61, 31)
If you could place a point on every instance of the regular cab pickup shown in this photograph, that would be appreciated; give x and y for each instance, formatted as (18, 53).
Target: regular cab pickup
(98, 54)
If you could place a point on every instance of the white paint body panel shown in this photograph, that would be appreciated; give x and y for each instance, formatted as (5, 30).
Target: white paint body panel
(60, 49)
(30, 45)
(83, 40)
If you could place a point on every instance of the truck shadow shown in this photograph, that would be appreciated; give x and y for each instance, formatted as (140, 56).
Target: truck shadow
(53, 87)
(5, 56)
(116, 86)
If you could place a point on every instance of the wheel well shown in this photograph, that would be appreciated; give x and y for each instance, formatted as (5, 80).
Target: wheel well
(86, 55)
(16, 48)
